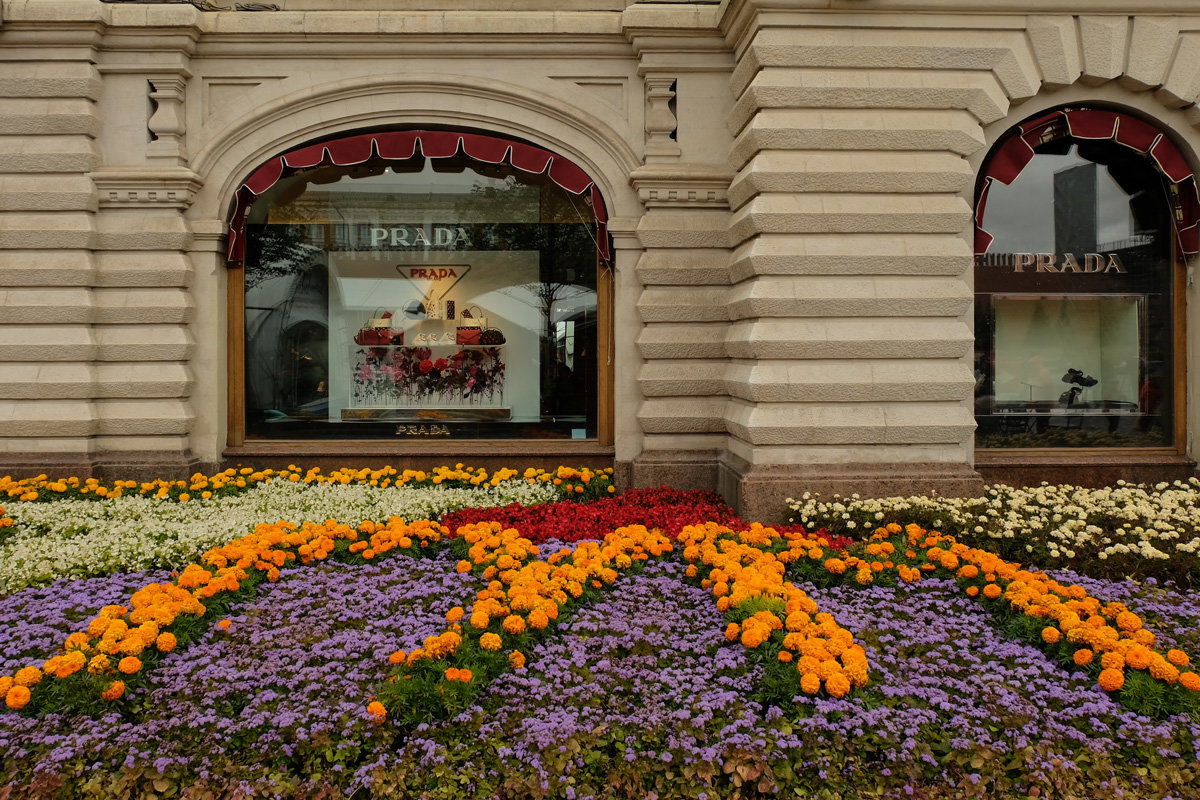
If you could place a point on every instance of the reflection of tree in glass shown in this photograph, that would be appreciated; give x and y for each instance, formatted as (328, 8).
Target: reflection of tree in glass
(561, 228)
(278, 250)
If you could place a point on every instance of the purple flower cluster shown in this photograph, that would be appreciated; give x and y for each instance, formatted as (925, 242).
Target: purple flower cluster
(284, 689)
(35, 622)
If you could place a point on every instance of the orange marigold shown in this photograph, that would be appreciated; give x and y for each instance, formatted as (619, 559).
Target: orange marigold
(129, 664)
(810, 683)
(397, 657)
(454, 614)
(490, 641)
(1190, 681)
(17, 697)
(837, 685)
(514, 624)
(516, 659)
(1051, 634)
(114, 691)
(166, 642)
(1084, 656)
(991, 591)
(377, 710)
(1177, 657)
(1111, 679)
(27, 676)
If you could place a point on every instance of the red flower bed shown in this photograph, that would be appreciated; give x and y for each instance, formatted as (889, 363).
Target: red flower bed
(664, 508)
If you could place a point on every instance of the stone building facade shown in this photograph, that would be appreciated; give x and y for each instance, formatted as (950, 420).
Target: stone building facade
(790, 190)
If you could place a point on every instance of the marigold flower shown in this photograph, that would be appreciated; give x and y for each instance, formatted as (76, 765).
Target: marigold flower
(490, 641)
(1051, 634)
(810, 683)
(538, 619)
(991, 591)
(1138, 657)
(1177, 657)
(17, 697)
(27, 676)
(376, 709)
(516, 659)
(114, 691)
(1128, 621)
(129, 665)
(837, 685)
(99, 664)
(455, 614)
(397, 657)
(224, 624)
(972, 591)
(1111, 679)
(1112, 660)
(1084, 656)
(514, 624)
(785, 656)
(1190, 681)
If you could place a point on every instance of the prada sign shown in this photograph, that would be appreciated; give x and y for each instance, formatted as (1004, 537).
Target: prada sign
(1094, 263)
(410, 237)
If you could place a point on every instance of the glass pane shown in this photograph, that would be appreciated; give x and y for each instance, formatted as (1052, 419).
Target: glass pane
(1073, 313)
(421, 299)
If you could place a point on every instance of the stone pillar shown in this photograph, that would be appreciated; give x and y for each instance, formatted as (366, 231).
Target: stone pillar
(682, 275)
(850, 339)
(48, 129)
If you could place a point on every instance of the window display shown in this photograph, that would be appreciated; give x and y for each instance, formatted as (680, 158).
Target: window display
(1075, 280)
(422, 296)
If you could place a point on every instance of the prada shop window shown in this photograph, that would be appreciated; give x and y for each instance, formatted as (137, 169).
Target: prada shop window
(1075, 318)
(438, 297)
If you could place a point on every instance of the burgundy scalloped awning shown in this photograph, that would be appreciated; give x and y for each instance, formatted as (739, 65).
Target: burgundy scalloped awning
(403, 145)
(1007, 162)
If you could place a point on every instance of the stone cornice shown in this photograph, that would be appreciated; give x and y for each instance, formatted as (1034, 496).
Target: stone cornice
(681, 186)
(145, 187)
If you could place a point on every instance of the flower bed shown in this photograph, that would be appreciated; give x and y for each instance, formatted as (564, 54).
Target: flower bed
(392, 659)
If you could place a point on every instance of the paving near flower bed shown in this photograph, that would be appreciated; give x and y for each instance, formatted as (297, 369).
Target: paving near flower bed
(293, 634)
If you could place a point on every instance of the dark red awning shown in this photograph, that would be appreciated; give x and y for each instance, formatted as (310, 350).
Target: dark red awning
(1015, 152)
(403, 145)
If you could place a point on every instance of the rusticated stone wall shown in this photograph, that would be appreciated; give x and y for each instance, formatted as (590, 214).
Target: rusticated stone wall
(790, 184)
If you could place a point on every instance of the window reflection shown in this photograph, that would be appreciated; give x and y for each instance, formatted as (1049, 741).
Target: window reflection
(448, 297)
(1074, 313)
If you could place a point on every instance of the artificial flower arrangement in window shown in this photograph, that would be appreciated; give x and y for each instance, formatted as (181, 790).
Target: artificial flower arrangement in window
(411, 375)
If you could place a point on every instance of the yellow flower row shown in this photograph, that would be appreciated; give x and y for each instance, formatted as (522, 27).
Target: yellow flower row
(1106, 632)
(740, 568)
(203, 486)
(521, 594)
(124, 633)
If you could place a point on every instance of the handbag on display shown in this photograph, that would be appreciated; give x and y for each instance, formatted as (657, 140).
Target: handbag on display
(468, 334)
(378, 332)
(491, 336)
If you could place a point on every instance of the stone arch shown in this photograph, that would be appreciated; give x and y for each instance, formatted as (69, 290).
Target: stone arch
(284, 119)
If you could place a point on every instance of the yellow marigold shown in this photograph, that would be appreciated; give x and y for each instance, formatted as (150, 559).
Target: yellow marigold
(1177, 657)
(17, 697)
(490, 641)
(810, 683)
(27, 676)
(1111, 679)
(837, 685)
(991, 591)
(132, 646)
(864, 577)
(377, 710)
(99, 664)
(1190, 681)
(1084, 656)
(114, 691)
(516, 659)
(129, 665)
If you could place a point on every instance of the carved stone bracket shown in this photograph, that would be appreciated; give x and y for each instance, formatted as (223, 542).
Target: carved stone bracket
(146, 187)
(662, 186)
(167, 123)
(661, 123)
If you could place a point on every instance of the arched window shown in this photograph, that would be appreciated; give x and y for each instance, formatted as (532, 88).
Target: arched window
(1082, 219)
(422, 284)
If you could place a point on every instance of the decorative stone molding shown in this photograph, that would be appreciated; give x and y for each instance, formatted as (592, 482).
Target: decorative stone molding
(167, 124)
(146, 188)
(682, 187)
(661, 122)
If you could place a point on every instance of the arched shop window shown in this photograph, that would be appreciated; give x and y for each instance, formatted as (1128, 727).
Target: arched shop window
(1083, 217)
(419, 283)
